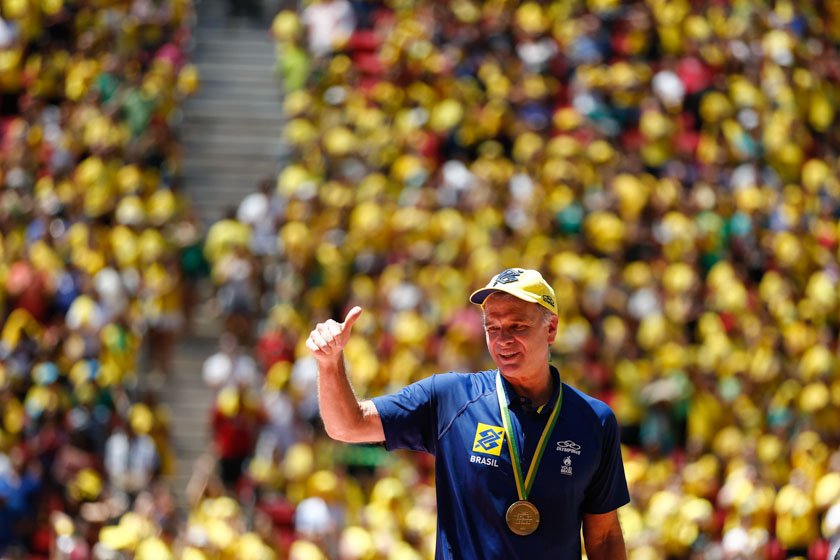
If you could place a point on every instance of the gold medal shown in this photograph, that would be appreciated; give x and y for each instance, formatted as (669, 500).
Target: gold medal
(522, 517)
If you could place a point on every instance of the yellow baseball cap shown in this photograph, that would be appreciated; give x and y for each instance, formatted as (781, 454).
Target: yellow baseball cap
(527, 285)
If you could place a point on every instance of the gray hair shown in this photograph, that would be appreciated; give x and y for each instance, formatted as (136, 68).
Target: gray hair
(547, 315)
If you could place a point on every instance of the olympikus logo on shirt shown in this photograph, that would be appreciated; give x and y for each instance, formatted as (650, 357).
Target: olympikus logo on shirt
(568, 446)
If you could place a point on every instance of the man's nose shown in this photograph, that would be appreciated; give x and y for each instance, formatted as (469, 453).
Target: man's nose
(505, 335)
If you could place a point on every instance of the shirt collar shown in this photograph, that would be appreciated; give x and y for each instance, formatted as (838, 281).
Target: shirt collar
(524, 403)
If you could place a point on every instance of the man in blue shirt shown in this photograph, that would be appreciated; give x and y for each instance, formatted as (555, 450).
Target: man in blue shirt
(523, 461)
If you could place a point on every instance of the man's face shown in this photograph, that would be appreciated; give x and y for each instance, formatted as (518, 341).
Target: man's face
(518, 335)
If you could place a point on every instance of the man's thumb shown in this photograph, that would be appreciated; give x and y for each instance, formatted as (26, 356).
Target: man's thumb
(352, 315)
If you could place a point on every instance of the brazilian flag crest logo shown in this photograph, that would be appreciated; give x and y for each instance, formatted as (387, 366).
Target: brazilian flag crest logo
(488, 439)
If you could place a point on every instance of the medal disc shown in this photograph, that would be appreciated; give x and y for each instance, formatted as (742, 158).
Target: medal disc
(522, 517)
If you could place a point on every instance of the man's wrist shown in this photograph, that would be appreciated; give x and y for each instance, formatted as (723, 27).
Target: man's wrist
(328, 363)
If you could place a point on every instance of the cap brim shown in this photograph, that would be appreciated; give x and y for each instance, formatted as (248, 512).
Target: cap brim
(479, 296)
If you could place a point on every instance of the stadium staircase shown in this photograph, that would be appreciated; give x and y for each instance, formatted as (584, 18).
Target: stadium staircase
(231, 139)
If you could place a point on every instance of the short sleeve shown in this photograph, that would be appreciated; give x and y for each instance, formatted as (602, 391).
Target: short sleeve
(608, 489)
(408, 417)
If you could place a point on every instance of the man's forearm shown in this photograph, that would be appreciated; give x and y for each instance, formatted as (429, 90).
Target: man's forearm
(603, 538)
(611, 548)
(345, 417)
(337, 401)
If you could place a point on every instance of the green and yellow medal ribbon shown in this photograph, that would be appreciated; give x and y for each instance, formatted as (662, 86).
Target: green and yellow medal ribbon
(523, 486)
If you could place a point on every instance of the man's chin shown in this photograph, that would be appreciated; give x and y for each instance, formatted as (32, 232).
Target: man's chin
(508, 369)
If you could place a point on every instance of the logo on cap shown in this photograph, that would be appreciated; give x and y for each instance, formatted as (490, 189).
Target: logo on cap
(508, 276)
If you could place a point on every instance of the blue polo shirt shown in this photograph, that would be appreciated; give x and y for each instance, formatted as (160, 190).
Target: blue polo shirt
(456, 418)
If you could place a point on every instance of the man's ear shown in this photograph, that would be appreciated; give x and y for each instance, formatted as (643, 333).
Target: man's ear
(552, 329)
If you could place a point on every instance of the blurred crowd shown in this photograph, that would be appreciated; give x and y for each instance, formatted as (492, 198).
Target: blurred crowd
(93, 231)
(672, 167)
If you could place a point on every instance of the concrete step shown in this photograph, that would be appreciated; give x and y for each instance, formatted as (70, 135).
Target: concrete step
(245, 95)
(268, 108)
(233, 40)
(237, 25)
(190, 445)
(191, 400)
(238, 72)
(227, 131)
(219, 146)
(252, 89)
(213, 15)
(189, 451)
(191, 426)
(219, 36)
(225, 181)
(194, 432)
(236, 52)
(225, 184)
(202, 124)
(226, 174)
(246, 68)
(212, 77)
(217, 197)
(210, 160)
(202, 127)
(206, 127)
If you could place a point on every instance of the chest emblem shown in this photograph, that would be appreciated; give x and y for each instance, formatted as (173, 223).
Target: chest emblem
(488, 439)
(568, 446)
(567, 466)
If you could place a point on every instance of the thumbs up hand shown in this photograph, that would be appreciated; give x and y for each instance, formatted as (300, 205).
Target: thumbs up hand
(328, 339)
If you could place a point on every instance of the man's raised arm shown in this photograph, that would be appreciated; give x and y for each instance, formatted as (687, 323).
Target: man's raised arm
(345, 417)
